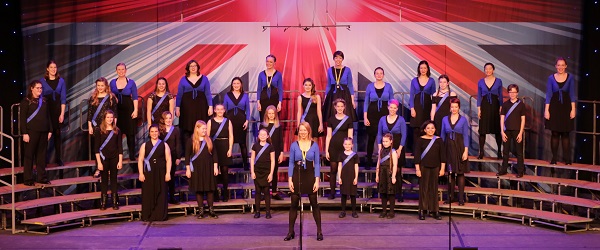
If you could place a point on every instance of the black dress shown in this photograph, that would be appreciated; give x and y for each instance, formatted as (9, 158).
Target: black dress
(109, 104)
(191, 109)
(237, 119)
(374, 113)
(443, 110)
(348, 174)
(338, 92)
(262, 168)
(203, 178)
(385, 185)
(489, 123)
(53, 103)
(311, 117)
(164, 106)
(429, 165)
(560, 113)
(422, 110)
(221, 142)
(154, 188)
(336, 144)
(454, 151)
(125, 123)
(265, 100)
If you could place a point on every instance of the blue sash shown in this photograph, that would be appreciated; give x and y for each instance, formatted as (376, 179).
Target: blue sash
(196, 156)
(306, 110)
(339, 125)
(385, 158)
(260, 152)
(272, 130)
(157, 105)
(104, 144)
(214, 137)
(348, 159)
(98, 110)
(510, 111)
(147, 159)
(428, 147)
(439, 104)
(169, 133)
(36, 110)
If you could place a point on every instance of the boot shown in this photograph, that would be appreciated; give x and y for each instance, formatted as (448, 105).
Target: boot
(115, 198)
(211, 213)
(225, 195)
(437, 216)
(268, 215)
(103, 200)
(201, 213)
(421, 216)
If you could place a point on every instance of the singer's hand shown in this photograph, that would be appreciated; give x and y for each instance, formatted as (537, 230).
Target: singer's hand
(441, 172)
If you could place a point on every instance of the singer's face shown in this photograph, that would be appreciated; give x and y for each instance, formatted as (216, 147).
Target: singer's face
(386, 142)
(348, 145)
(430, 129)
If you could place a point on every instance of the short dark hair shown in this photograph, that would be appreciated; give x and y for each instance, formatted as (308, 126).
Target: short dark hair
(271, 56)
(455, 100)
(491, 64)
(338, 53)
(187, 67)
(512, 86)
(383, 71)
(560, 58)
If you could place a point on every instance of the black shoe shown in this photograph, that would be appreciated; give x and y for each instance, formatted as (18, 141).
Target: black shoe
(391, 215)
(331, 197)
(97, 173)
(568, 163)
(553, 162)
(446, 202)
(59, 162)
(421, 216)
(225, 195)
(437, 216)
(460, 203)
(290, 236)
(115, 199)
(211, 213)
(277, 197)
(256, 215)
(268, 215)
(501, 173)
(401, 198)
(342, 215)
(29, 183)
(200, 213)
(480, 156)
(45, 182)
(354, 214)
(319, 236)
(103, 200)
(382, 215)
(499, 157)
(519, 175)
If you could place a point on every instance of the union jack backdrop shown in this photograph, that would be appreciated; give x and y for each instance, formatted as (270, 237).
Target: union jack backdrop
(157, 38)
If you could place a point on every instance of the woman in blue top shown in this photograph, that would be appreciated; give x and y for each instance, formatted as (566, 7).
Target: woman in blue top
(194, 99)
(489, 103)
(237, 106)
(339, 86)
(269, 90)
(376, 106)
(304, 170)
(455, 133)
(396, 126)
(559, 110)
(54, 89)
(127, 106)
(422, 88)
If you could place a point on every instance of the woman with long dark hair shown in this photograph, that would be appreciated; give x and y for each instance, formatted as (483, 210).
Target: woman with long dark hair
(55, 92)
(126, 91)
(159, 101)
(154, 167)
(440, 107)
(422, 88)
(34, 118)
(237, 106)
(309, 108)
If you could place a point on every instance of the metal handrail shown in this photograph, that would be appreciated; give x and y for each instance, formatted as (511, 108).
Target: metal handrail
(12, 184)
(14, 120)
(594, 133)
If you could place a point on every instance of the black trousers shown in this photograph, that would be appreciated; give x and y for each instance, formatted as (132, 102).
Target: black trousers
(57, 138)
(35, 150)
(275, 174)
(517, 150)
(110, 168)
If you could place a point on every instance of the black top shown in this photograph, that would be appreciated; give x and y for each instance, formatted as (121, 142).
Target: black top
(174, 142)
(108, 104)
(513, 121)
(113, 148)
(214, 127)
(53, 83)
(265, 157)
(434, 157)
(40, 122)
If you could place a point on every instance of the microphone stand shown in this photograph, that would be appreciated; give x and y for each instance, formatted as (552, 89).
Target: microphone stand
(450, 198)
